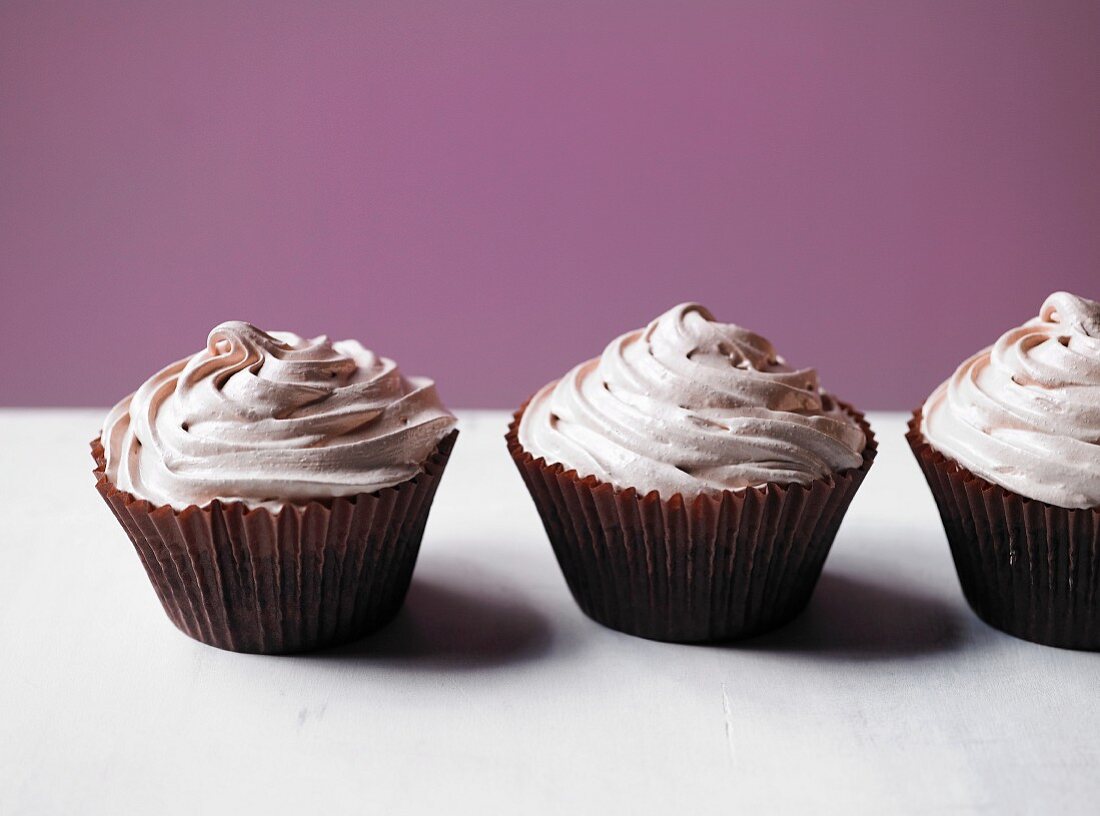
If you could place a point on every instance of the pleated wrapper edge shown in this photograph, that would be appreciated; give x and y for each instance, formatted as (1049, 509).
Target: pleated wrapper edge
(710, 569)
(1026, 567)
(260, 581)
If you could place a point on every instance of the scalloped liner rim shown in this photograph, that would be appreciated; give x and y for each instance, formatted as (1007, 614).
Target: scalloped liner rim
(923, 449)
(432, 465)
(521, 455)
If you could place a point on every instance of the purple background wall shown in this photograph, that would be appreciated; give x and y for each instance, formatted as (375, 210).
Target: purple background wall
(490, 191)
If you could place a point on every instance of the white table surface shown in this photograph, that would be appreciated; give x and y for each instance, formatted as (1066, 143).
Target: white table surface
(492, 693)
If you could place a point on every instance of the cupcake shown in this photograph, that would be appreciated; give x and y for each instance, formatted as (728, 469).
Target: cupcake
(690, 481)
(1010, 446)
(276, 488)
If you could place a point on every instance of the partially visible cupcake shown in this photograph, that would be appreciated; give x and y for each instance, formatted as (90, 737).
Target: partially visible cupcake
(276, 488)
(1010, 446)
(690, 481)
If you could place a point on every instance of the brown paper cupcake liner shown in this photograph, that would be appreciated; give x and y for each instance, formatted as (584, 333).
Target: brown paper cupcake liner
(714, 568)
(1026, 567)
(266, 582)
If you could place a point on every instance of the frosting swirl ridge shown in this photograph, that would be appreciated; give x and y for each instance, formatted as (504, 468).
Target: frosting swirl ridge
(267, 418)
(692, 406)
(1025, 412)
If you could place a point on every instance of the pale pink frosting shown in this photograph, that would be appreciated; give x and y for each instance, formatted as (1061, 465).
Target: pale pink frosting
(267, 418)
(692, 406)
(1025, 412)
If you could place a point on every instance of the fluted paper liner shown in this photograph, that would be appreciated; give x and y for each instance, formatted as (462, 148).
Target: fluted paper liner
(309, 575)
(1029, 568)
(714, 568)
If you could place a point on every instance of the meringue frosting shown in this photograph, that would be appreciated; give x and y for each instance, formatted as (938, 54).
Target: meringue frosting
(1025, 412)
(268, 418)
(691, 406)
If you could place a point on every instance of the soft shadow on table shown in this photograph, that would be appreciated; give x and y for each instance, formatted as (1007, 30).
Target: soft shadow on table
(855, 617)
(455, 622)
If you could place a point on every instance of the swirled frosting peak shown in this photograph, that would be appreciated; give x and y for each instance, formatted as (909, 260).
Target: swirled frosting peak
(692, 406)
(1025, 412)
(268, 418)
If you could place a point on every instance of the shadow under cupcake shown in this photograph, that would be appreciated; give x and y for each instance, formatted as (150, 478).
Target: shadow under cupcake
(691, 483)
(276, 489)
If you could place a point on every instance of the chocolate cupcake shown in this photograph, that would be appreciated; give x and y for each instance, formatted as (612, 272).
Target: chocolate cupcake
(690, 481)
(1010, 446)
(276, 488)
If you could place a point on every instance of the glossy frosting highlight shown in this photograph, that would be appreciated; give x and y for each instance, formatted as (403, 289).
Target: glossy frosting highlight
(692, 406)
(1025, 412)
(269, 418)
